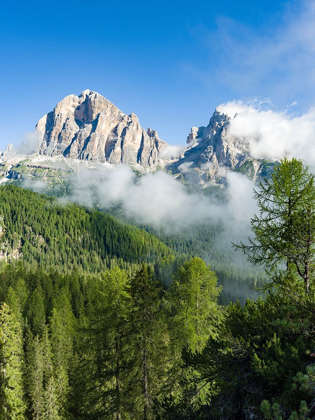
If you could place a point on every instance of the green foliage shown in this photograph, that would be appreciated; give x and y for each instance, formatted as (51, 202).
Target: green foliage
(113, 339)
(101, 346)
(193, 300)
(12, 404)
(68, 237)
(284, 229)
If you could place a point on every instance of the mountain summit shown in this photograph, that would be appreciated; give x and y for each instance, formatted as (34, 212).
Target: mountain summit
(89, 127)
(211, 152)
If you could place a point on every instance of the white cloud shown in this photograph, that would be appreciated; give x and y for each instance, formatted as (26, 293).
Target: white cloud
(157, 199)
(171, 152)
(185, 167)
(272, 135)
(29, 144)
(35, 185)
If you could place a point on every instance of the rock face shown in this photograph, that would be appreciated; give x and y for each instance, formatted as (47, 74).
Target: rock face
(212, 144)
(211, 152)
(7, 153)
(90, 127)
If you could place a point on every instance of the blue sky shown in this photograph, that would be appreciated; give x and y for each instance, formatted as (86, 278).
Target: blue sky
(169, 62)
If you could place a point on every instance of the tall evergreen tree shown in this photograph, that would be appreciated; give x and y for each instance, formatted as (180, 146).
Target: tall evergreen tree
(194, 305)
(284, 229)
(12, 405)
(108, 342)
(52, 403)
(150, 343)
(35, 374)
(194, 318)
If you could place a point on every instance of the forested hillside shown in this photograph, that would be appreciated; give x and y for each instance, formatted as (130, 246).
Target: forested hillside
(42, 231)
(211, 243)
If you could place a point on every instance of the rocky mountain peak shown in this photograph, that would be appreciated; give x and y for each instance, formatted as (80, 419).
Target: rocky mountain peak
(219, 119)
(211, 150)
(8, 152)
(90, 127)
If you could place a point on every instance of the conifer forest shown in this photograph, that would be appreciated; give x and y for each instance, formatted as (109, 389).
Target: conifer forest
(101, 319)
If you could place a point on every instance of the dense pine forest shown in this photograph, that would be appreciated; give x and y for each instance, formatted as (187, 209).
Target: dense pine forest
(102, 320)
(43, 232)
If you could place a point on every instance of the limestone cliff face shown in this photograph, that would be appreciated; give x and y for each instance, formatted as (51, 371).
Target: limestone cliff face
(212, 152)
(212, 144)
(90, 127)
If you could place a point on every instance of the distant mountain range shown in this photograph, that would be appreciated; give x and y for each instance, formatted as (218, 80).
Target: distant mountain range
(89, 128)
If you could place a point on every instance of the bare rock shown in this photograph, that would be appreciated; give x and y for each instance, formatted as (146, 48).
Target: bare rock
(90, 127)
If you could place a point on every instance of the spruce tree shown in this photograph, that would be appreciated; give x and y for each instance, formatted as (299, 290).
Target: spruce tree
(35, 375)
(12, 405)
(51, 398)
(194, 305)
(109, 348)
(194, 318)
(149, 340)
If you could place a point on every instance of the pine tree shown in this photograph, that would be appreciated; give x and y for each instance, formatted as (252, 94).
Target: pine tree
(36, 311)
(194, 318)
(35, 374)
(12, 405)
(150, 343)
(108, 342)
(51, 398)
(61, 338)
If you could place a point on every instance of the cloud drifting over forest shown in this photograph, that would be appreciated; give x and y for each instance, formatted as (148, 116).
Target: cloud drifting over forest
(157, 199)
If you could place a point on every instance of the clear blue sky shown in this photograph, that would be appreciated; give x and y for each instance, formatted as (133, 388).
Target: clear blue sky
(169, 62)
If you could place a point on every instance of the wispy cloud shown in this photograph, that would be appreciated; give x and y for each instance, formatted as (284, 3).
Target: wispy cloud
(276, 61)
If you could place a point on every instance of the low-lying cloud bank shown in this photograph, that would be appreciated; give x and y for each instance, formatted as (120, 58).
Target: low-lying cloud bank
(157, 199)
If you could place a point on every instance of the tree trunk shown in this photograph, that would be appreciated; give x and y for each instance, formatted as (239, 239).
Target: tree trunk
(118, 415)
(145, 384)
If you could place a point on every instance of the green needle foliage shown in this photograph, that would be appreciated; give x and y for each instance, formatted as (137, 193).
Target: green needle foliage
(193, 299)
(42, 231)
(284, 229)
(12, 405)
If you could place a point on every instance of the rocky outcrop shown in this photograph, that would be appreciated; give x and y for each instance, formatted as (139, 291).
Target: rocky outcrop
(211, 152)
(90, 127)
(211, 144)
(7, 153)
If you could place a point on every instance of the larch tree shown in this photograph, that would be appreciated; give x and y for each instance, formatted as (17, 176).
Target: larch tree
(284, 228)
(193, 298)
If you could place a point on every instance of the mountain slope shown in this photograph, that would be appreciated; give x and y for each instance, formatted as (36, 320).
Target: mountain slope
(39, 230)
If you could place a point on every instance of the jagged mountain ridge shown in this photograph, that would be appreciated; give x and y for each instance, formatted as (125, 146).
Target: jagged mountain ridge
(89, 127)
(211, 152)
